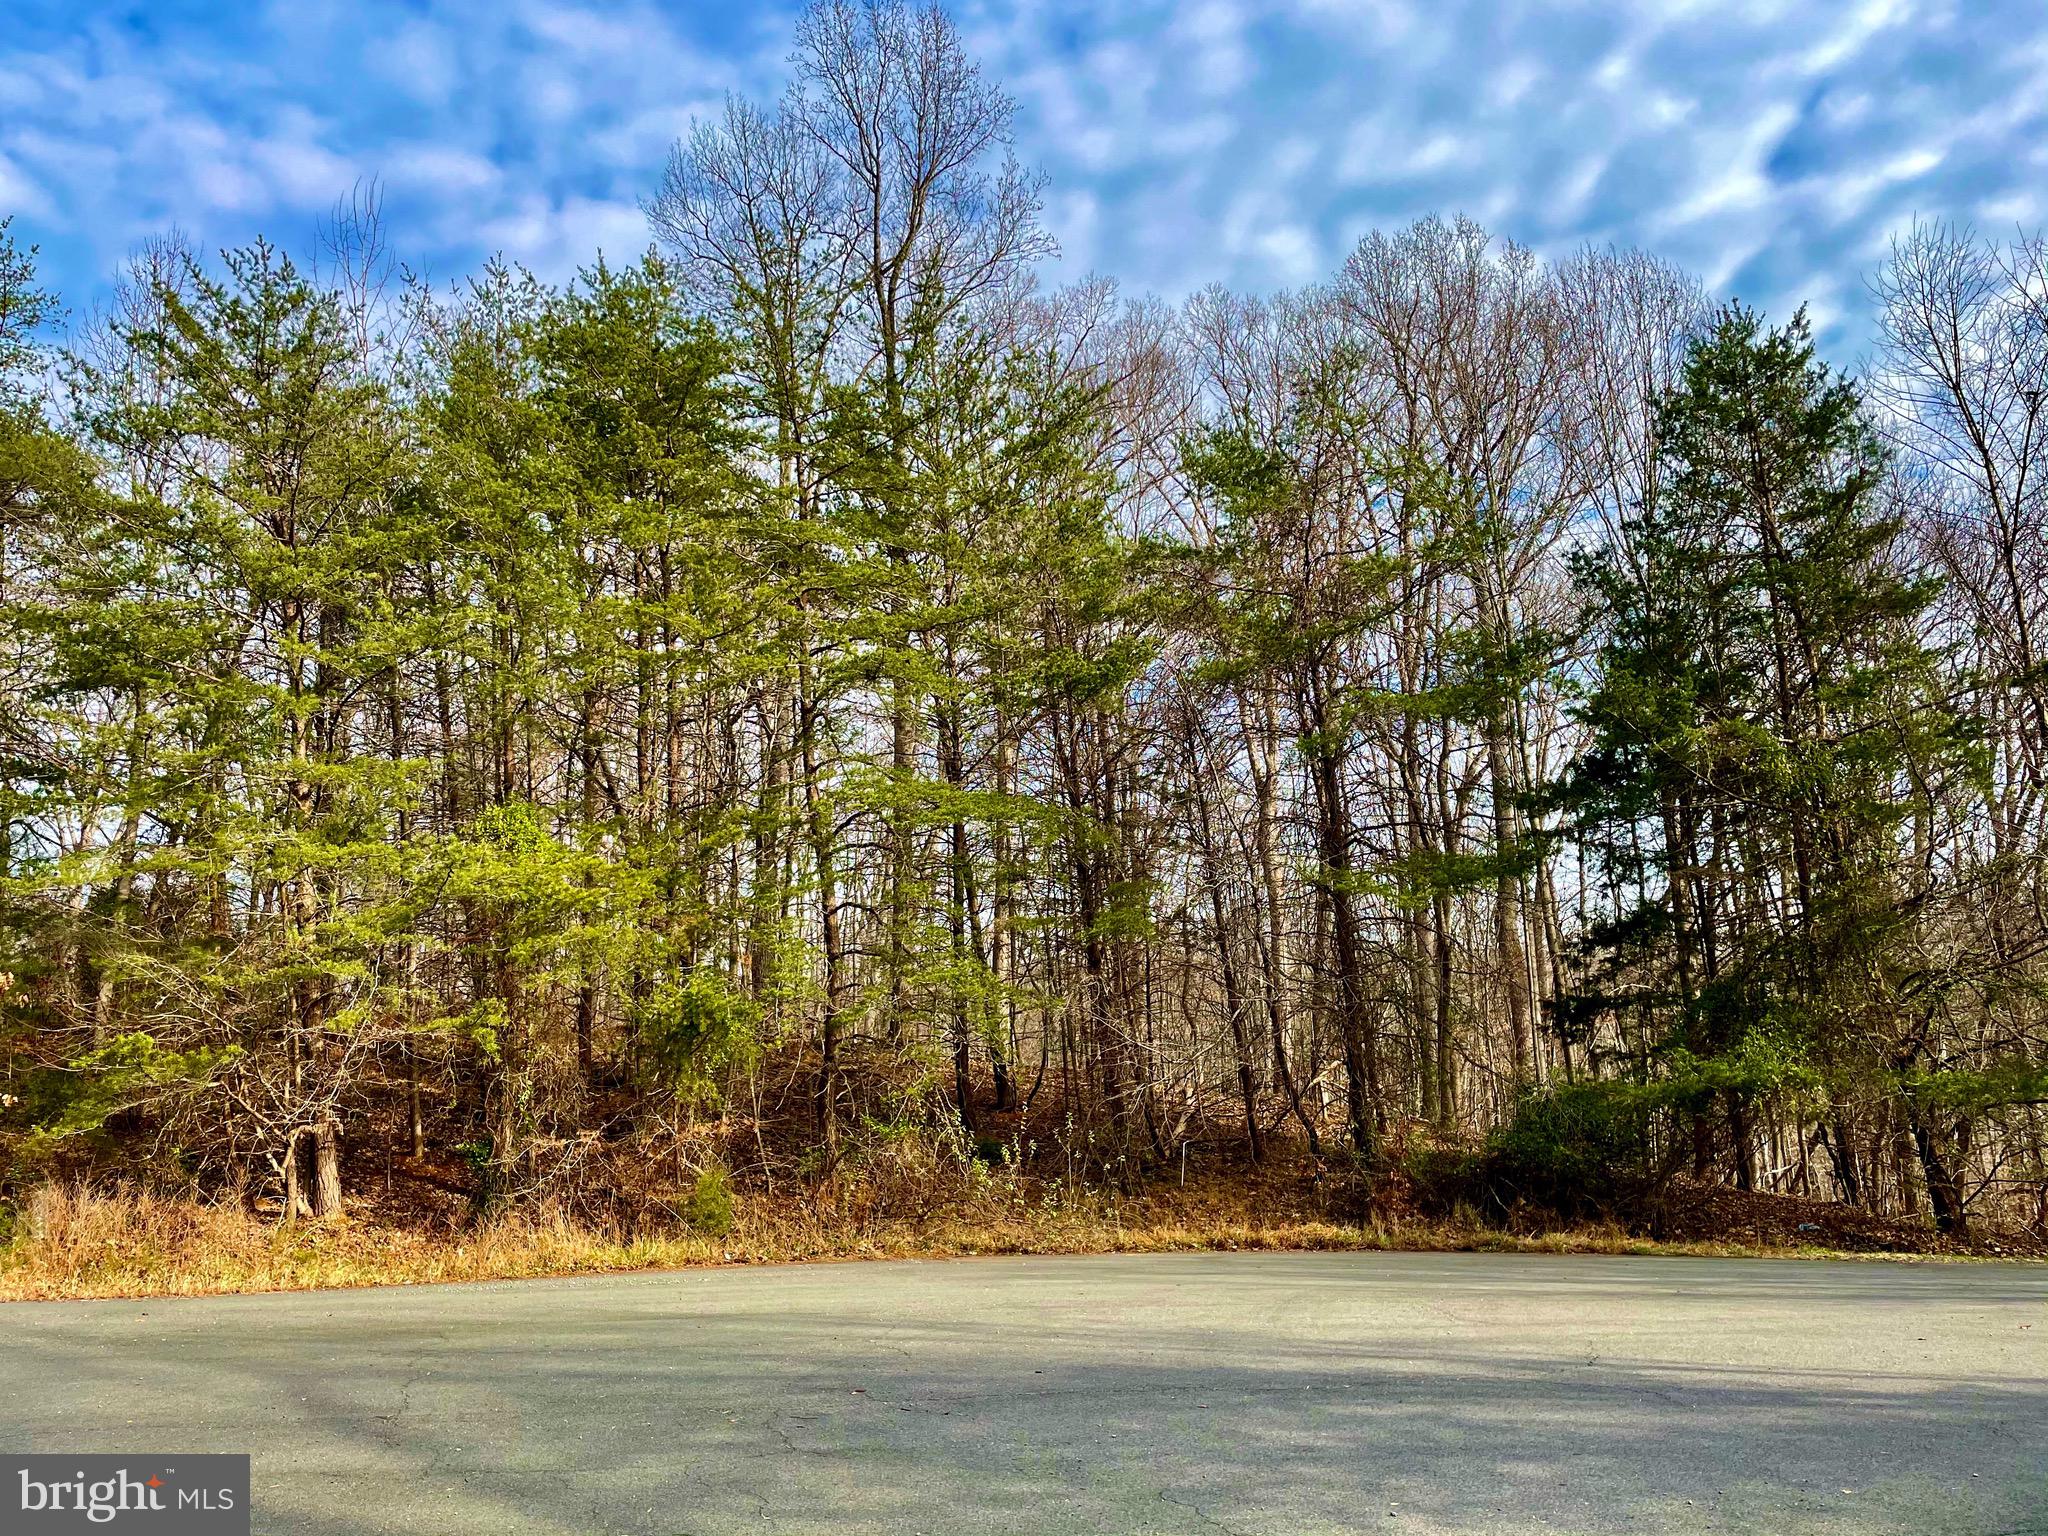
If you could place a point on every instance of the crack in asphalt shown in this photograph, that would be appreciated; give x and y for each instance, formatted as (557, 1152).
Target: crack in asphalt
(422, 1366)
(1201, 1514)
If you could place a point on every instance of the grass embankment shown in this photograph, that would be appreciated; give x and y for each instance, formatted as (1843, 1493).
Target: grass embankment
(74, 1242)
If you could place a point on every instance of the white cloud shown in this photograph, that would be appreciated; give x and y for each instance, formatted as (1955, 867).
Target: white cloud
(1770, 144)
(1510, 85)
(299, 170)
(439, 169)
(19, 194)
(2017, 210)
(1292, 250)
(556, 239)
(1853, 31)
(1212, 33)
(420, 59)
(1734, 178)
(1074, 217)
(1767, 143)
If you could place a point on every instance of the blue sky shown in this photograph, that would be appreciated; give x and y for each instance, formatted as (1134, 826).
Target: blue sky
(1770, 145)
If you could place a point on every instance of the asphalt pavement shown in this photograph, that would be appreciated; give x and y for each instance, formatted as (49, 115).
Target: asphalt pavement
(1246, 1393)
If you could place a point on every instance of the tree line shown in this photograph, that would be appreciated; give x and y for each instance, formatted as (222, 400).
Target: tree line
(822, 674)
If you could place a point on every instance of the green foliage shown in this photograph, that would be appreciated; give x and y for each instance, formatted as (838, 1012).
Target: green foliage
(687, 1030)
(25, 308)
(566, 695)
(486, 1171)
(1979, 1091)
(1765, 1057)
(709, 1209)
(1443, 1175)
(1577, 1150)
(1604, 1148)
(128, 1070)
(482, 1024)
(1765, 717)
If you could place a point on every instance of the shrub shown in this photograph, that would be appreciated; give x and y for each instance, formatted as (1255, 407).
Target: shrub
(1577, 1151)
(710, 1207)
(1441, 1174)
(485, 1194)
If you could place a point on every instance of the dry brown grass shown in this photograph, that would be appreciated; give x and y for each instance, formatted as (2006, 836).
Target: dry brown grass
(76, 1242)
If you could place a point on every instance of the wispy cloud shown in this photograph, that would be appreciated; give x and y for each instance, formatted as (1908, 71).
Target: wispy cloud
(1769, 144)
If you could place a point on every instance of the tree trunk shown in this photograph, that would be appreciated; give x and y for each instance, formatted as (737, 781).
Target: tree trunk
(1233, 994)
(1944, 1189)
(1333, 836)
(415, 1123)
(1259, 739)
(312, 1171)
(326, 1138)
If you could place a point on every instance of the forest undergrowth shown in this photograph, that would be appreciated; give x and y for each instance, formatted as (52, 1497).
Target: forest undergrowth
(722, 1193)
